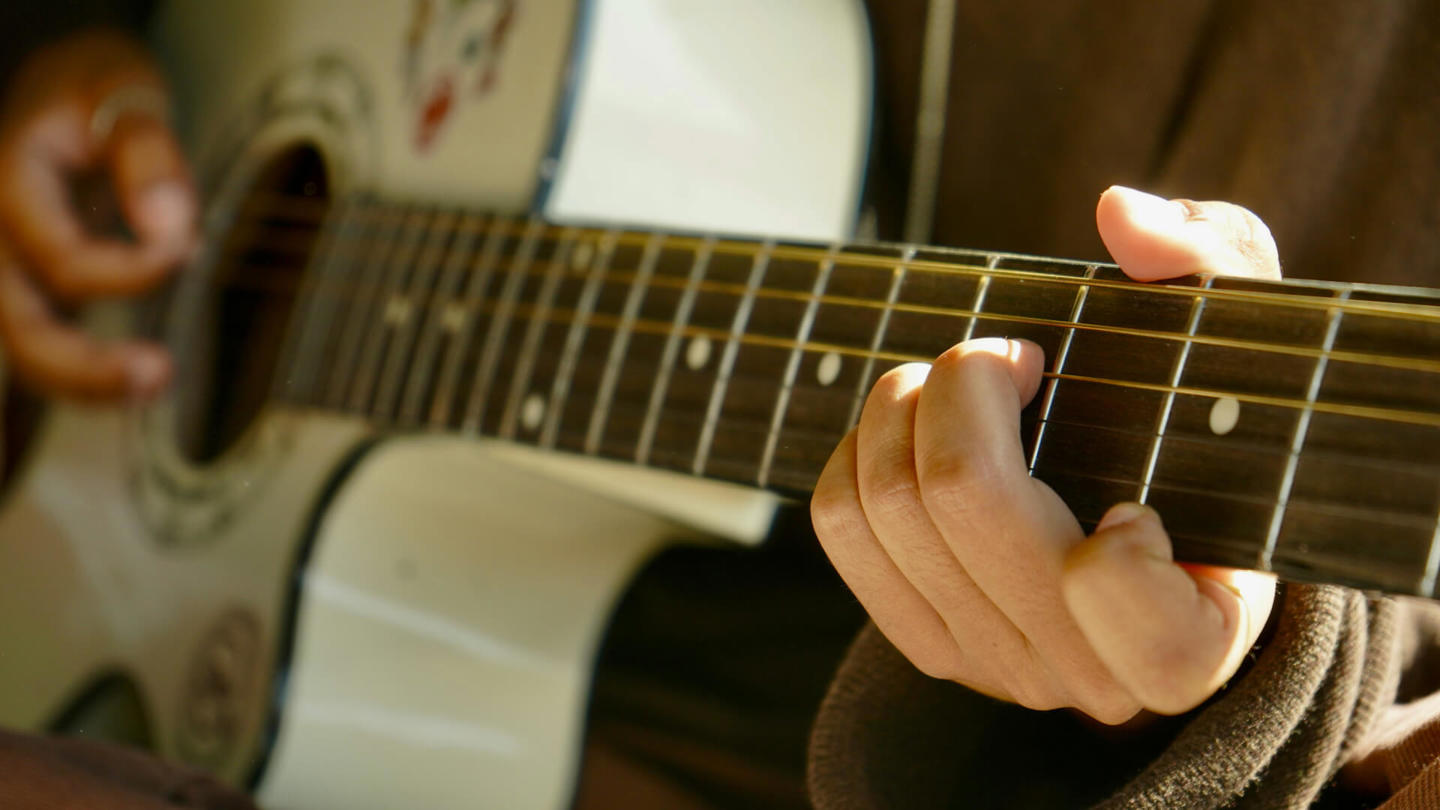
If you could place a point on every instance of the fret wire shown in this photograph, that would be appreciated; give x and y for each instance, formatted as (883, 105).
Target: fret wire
(1425, 312)
(535, 329)
(1423, 418)
(575, 337)
(620, 341)
(499, 326)
(1136, 288)
(982, 289)
(1059, 366)
(1432, 564)
(1302, 427)
(309, 320)
(792, 366)
(447, 392)
(862, 388)
(451, 275)
(1197, 310)
(417, 298)
(671, 351)
(727, 358)
(1336, 508)
(388, 301)
(356, 320)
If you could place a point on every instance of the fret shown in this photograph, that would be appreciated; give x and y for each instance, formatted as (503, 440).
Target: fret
(671, 350)
(1168, 404)
(1048, 400)
(575, 336)
(981, 290)
(1287, 481)
(310, 325)
(464, 318)
(619, 342)
(419, 298)
(605, 309)
(499, 328)
(862, 389)
(364, 289)
(727, 358)
(441, 320)
(1432, 563)
(535, 330)
(391, 310)
(1097, 437)
(691, 378)
(782, 399)
(835, 363)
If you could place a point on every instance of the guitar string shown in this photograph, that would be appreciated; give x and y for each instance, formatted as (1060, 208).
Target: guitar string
(1427, 312)
(344, 290)
(805, 297)
(603, 320)
(572, 440)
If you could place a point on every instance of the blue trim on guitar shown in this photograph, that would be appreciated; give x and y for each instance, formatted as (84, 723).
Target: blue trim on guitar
(565, 112)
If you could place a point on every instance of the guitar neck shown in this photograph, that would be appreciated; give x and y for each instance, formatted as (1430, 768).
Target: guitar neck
(1281, 426)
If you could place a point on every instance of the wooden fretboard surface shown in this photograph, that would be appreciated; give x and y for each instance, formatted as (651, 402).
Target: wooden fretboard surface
(749, 361)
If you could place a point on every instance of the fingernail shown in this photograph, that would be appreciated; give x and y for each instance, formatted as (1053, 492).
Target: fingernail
(1121, 514)
(1149, 211)
(165, 210)
(147, 372)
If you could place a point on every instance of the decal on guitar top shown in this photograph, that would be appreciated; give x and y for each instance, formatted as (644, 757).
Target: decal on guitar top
(452, 53)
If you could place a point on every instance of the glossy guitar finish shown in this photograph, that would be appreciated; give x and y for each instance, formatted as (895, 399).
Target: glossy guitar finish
(409, 622)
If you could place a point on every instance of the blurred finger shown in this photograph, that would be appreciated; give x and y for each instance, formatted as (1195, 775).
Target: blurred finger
(72, 263)
(1170, 637)
(57, 358)
(1154, 238)
(153, 183)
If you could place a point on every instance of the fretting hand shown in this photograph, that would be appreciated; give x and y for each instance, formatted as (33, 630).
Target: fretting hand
(980, 574)
(93, 102)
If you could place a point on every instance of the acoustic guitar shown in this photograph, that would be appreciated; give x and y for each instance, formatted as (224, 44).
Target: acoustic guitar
(461, 353)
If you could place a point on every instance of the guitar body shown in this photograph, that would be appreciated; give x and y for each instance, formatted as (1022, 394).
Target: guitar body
(360, 621)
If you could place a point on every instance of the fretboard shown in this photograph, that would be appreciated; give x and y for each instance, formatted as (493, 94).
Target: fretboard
(1284, 426)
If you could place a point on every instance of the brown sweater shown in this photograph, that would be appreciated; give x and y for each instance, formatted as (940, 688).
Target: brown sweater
(1323, 117)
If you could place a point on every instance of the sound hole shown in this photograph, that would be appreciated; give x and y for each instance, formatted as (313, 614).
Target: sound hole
(239, 330)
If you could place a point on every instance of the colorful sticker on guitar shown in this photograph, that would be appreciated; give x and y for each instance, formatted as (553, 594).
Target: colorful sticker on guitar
(452, 53)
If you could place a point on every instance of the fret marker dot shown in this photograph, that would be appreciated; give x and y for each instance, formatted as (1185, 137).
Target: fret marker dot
(397, 311)
(453, 318)
(580, 259)
(828, 369)
(697, 354)
(532, 411)
(1224, 415)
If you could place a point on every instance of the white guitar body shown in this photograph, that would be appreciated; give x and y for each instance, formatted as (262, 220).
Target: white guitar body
(412, 622)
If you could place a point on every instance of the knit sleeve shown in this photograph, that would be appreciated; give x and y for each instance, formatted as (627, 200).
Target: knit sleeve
(1314, 698)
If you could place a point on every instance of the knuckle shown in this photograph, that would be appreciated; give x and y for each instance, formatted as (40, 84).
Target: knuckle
(1035, 693)
(944, 664)
(953, 486)
(890, 496)
(1171, 680)
(1112, 709)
